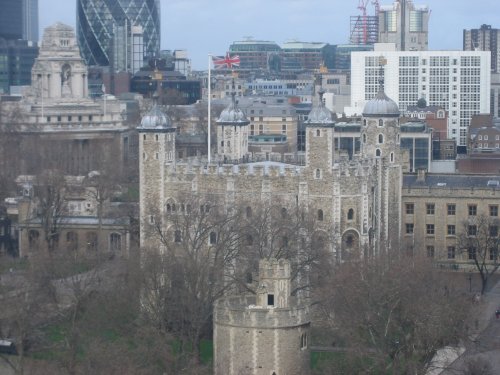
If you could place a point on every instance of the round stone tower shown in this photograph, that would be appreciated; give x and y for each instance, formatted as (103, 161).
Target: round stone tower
(262, 334)
(232, 132)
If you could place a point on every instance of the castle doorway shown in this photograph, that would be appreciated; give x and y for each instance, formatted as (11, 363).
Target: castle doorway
(350, 245)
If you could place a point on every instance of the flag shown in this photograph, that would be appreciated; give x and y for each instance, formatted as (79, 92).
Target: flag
(228, 62)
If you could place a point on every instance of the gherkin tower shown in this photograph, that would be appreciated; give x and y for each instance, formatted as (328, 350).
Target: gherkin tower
(97, 22)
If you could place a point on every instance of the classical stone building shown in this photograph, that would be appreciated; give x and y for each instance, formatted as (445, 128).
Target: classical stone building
(58, 125)
(266, 333)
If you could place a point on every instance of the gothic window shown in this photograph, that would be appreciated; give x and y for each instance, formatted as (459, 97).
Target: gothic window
(320, 215)
(169, 208)
(380, 138)
(350, 214)
(378, 153)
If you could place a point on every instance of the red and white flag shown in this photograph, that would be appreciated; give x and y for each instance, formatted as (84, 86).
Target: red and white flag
(227, 62)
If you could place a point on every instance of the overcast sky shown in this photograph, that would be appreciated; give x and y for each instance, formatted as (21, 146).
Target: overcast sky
(209, 26)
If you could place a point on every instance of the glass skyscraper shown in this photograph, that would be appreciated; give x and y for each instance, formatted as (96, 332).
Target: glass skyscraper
(19, 19)
(101, 24)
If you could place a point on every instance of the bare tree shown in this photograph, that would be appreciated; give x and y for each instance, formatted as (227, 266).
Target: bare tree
(50, 188)
(479, 240)
(392, 314)
(194, 267)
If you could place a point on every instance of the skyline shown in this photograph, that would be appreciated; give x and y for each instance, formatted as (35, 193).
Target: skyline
(282, 20)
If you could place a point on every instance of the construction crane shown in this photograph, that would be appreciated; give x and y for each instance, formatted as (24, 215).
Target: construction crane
(362, 7)
(364, 28)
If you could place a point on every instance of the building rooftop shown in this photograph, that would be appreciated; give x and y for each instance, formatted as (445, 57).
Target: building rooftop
(443, 181)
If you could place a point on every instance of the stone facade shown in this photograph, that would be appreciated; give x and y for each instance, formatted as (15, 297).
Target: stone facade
(437, 208)
(264, 334)
(355, 201)
(57, 119)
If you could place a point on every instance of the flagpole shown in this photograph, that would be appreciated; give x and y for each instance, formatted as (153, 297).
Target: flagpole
(209, 106)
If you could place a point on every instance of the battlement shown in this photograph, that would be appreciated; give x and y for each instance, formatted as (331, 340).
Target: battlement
(269, 169)
(241, 311)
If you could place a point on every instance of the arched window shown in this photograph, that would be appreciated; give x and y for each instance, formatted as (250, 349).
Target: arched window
(318, 173)
(364, 138)
(320, 215)
(115, 242)
(350, 214)
(380, 138)
(169, 208)
(283, 213)
(72, 241)
(33, 237)
(318, 133)
(177, 236)
(249, 240)
(91, 241)
(380, 122)
(378, 153)
(213, 238)
(364, 122)
(248, 212)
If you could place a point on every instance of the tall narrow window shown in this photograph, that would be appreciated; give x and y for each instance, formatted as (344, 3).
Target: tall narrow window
(380, 138)
(350, 214)
(320, 215)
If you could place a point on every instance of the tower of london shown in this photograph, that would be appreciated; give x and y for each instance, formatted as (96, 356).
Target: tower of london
(358, 200)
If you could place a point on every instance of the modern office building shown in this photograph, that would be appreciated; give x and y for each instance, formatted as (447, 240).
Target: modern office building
(458, 81)
(19, 19)
(108, 28)
(16, 60)
(405, 24)
(485, 38)
(257, 55)
(342, 54)
(306, 56)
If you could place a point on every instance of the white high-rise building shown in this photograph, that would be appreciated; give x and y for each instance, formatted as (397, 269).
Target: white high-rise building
(459, 81)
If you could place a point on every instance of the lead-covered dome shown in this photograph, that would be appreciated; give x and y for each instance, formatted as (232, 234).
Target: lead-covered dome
(381, 106)
(233, 114)
(320, 115)
(155, 119)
